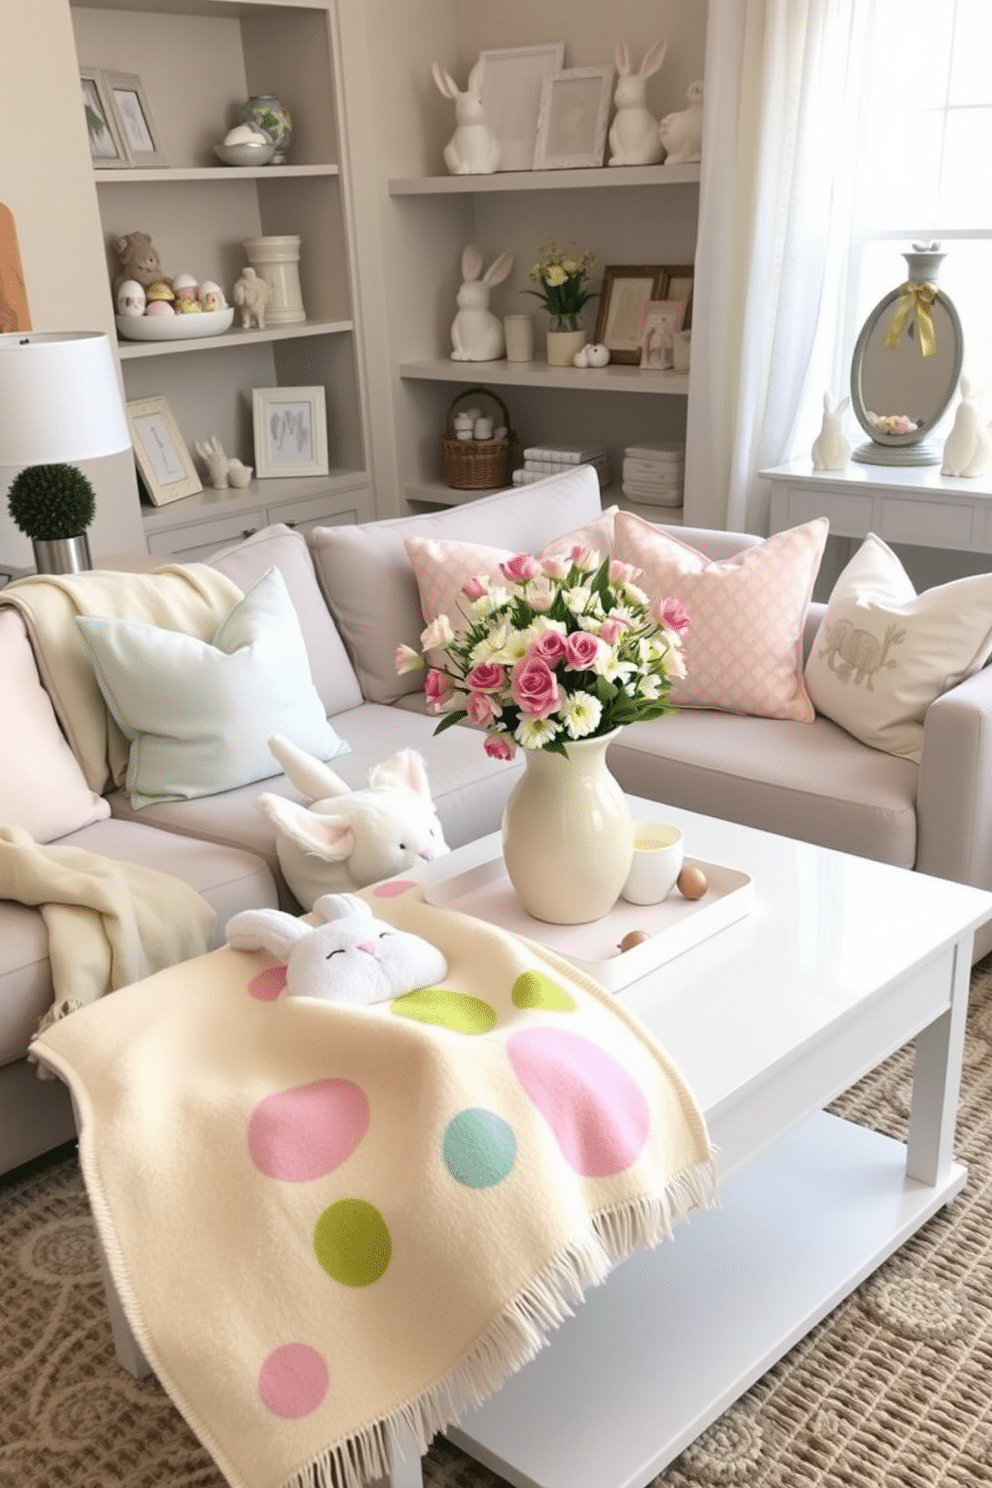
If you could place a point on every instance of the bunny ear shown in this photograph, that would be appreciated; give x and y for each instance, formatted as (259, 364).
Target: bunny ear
(471, 262)
(309, 774)
(843, 405)
(340, 906)
(445, 82)
(404, 770)
(323, 836)
(622, 58)
(475, 77)
(653, 58)
(269, 930)
(498, 269)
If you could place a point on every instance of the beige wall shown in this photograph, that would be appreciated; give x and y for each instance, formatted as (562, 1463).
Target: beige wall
(45, 180)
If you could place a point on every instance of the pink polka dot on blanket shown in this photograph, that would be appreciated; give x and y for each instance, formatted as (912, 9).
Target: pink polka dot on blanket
(595, 1108)
(305, 1133)
(392, 888)
(293, 1380)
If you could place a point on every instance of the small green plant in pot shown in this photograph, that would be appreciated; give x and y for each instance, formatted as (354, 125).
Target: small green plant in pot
(53, 505)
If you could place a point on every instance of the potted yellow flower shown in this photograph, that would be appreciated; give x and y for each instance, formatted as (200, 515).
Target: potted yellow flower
(562, 274)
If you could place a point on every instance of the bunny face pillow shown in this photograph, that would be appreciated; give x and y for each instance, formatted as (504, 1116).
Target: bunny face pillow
(347, 839)
(352, 957)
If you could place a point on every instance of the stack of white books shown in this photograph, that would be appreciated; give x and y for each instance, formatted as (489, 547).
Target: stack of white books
(541, 461)
(654, 473)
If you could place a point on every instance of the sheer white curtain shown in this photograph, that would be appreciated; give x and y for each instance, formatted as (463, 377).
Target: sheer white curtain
(780, 148)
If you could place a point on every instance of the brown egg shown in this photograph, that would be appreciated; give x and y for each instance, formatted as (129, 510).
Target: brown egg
(633, 938)
(691, 883)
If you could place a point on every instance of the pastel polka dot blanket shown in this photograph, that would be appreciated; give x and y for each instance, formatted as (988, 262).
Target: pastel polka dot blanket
(330, 1224)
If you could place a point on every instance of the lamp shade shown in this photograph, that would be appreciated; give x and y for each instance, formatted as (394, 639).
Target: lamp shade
(59, 398)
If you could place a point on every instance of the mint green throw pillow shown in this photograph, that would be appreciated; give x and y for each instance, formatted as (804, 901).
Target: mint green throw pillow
(199, 714)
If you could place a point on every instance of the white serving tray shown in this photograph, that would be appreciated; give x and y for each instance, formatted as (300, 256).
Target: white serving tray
(674, 925)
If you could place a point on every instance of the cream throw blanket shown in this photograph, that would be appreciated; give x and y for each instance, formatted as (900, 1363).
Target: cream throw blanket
(329, 1222)
(191, 597)
(109, 923)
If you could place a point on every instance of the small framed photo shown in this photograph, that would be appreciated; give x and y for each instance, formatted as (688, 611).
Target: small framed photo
(512, 80)
(571, 127)
(106, 147)
(679, 287)
(660, 319)
(290, 428)
(164, 463)
(626, 290)
(134, 119)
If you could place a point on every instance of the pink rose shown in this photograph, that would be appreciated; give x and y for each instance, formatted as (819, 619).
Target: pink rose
(534, 687)
(549, 647)
(611, 630)
(498, 747)
(481, 708)
(521, 567)
(474, 588)
(437, 690)
(581, 651)
(671, 612)
(488, 676)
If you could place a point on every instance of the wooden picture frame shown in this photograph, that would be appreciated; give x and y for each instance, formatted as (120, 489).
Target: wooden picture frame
(625, 291)
(679, 287)
(290, 430)
(107, 150)
(133, 117)
(571, 127)
(164, 463)
(512, 80)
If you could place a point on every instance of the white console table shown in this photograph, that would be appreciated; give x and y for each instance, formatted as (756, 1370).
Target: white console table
(901, 504)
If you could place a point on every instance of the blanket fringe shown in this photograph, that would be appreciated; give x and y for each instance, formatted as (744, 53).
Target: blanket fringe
(514, 1336)
(55, 1014)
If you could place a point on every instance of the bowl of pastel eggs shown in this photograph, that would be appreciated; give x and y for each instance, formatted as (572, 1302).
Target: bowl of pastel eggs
(178, 311)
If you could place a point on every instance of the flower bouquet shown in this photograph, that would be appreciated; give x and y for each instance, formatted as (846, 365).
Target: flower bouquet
(561, 273)
(552, 650)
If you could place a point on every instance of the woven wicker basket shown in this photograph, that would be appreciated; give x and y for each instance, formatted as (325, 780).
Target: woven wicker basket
(477, 464)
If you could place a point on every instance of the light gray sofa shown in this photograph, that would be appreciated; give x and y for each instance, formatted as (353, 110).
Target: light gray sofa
(357, 598)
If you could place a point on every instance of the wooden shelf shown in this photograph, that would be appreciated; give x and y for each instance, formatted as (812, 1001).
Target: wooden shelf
(211, 173)
(550, 180)
(615, 378)
(134, 350)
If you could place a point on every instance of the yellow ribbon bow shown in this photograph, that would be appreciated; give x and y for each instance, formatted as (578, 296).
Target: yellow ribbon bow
(914, 294)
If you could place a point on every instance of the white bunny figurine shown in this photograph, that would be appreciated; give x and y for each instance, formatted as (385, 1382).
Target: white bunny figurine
(634, 132)
(681, 133)
(476, 333)
(831, 447)
(968, 448)
(351, 957)
(473, 149)
(347, 839)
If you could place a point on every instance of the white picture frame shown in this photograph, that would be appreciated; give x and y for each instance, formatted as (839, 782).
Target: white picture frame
(512, 82)
(107, 150)
(290, 431)
(133, 116)
(571, 126)
(164, 463)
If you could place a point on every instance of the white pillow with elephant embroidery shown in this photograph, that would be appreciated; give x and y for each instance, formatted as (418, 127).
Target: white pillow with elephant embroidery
(884, 653)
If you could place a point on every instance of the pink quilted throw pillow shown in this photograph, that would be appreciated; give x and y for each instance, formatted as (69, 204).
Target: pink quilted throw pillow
(744, 648)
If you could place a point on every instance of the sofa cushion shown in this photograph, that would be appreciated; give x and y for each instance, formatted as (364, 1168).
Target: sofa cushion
(884, 653)
(42, 787)
(370, 587)
(744, 647)
(279, 546)
(199, 715)
(811, 781)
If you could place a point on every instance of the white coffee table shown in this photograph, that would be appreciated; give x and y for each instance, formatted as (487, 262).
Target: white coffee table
(840, 962)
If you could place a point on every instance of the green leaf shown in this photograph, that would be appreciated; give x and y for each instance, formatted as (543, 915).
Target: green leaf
(449, 720)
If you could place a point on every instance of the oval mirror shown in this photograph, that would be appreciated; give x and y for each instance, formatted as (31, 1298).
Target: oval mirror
(906, 367)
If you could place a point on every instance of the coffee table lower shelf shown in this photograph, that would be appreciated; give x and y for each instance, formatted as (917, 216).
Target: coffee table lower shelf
(676, 1335)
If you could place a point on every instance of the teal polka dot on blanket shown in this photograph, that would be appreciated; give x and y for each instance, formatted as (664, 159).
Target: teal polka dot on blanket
(479, 1148)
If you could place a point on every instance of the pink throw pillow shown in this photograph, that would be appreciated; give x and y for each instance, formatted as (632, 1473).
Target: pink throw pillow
(744, 647)
(442, 567)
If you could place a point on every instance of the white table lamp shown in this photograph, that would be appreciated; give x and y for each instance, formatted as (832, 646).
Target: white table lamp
(59, 402)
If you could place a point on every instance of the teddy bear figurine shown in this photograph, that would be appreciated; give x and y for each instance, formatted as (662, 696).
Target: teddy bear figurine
(138, 260)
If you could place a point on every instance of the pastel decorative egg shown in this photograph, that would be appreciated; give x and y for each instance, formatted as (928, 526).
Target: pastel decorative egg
(159, 307)
(212, 296)
(692, 882)
(159, 291)
(597, 355)
(131, 298)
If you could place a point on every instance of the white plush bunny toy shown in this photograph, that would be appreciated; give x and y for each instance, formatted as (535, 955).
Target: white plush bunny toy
(831, 447)
(347, 839)
(351, 957)
(473, 149)
(476, 333)
(634, 132)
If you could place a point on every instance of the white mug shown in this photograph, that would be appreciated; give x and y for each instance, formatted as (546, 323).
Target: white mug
(658, 857)
(519, 333)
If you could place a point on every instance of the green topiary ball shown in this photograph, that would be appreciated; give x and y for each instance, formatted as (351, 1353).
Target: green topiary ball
(51, 501)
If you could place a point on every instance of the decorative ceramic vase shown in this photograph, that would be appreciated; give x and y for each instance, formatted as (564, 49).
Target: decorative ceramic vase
(273, 118)
(568, 835)
(277, 261)
(562, 346)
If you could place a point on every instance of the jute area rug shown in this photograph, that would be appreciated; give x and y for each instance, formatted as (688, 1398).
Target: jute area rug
(893, 1390)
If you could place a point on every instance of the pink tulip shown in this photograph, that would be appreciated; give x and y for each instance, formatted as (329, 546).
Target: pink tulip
(437, 689)
(474, 588)
(497, 746)
(671, 612)
(408, 660)
(521, 567)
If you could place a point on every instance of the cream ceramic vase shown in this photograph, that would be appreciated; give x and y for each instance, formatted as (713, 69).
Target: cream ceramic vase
(568, 835)
(562, 346)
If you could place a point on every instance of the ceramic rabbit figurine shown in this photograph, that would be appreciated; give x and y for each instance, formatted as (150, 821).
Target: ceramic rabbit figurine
(681, 133)
(634, 136)
(476, 333)
(473, 149)
(831, 447)
(968, 448)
